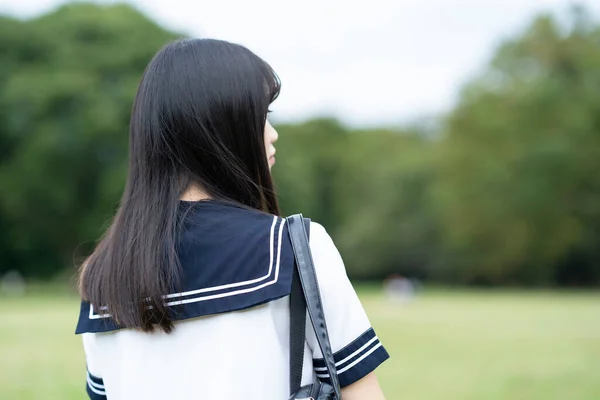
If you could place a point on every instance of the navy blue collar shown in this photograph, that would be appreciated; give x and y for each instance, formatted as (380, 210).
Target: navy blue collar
(232, 258)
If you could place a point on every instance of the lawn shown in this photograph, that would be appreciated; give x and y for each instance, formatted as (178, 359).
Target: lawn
(444, 345)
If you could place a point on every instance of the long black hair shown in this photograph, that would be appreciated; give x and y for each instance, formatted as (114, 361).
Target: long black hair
(198, 118)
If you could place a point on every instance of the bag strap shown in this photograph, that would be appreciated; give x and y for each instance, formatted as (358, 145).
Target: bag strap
(297, 326)
(297, 332)
(310, 287)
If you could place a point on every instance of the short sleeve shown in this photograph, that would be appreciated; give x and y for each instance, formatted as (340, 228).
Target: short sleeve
(94, 382)
(357, 349)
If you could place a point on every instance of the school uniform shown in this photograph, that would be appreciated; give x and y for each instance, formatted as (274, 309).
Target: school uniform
(231, 336)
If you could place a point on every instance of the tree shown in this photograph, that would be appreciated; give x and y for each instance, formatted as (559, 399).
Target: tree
(66, 87)
(519, 190)
(505, 190)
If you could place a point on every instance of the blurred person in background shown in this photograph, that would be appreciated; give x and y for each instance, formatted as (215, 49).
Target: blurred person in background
(399, 289)
(187, 294)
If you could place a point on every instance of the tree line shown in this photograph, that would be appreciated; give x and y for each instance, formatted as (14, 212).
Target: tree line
(504, 190)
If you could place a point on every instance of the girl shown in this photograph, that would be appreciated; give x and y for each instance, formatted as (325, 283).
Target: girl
(187, 294)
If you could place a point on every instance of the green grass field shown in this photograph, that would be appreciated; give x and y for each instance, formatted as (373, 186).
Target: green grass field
(445, 345)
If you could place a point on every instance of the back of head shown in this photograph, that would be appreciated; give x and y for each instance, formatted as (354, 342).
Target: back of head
(199, 115)
(198, 119)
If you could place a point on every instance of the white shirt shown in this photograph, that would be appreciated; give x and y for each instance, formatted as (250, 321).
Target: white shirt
(240, 354)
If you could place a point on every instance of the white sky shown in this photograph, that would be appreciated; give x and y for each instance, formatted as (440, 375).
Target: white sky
(376, 62)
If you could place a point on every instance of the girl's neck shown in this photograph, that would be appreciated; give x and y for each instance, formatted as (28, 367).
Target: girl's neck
(194, 193)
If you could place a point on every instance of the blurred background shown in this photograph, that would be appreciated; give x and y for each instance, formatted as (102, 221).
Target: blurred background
(451, 148)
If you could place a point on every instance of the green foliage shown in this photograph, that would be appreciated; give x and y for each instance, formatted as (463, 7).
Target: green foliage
(66, 87)
(518, 186)
(505, 191)
(508, 193)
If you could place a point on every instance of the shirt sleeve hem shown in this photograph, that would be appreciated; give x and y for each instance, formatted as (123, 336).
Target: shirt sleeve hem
(95, 387)
(355, 360)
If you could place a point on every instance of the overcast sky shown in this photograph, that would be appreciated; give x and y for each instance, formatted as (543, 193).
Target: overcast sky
(375, 62)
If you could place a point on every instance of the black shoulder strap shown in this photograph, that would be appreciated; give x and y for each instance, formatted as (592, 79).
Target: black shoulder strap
(310, 288)
(297, 334)
(297, 328)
